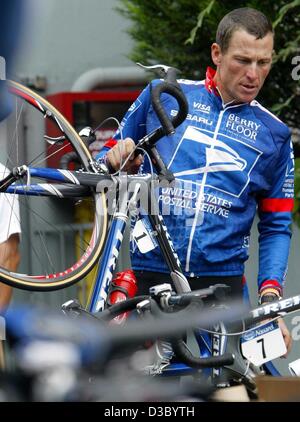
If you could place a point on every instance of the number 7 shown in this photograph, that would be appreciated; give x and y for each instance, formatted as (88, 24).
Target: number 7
(262, 347)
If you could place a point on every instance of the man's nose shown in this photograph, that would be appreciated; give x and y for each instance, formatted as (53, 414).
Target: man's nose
(252, 72)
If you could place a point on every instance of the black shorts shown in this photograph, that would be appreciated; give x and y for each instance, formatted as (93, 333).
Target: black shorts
(147, 279)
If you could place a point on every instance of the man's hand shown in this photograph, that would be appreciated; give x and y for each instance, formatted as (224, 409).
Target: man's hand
(286, 336)
(120, 152)
(268, 296)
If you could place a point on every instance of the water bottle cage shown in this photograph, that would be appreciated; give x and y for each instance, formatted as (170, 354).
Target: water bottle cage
(113, 288)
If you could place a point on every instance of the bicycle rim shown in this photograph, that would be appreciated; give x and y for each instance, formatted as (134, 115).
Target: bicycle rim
(60, 245)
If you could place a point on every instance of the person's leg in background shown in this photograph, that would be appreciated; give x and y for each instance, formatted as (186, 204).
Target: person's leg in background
(10, 229)
(9, 259)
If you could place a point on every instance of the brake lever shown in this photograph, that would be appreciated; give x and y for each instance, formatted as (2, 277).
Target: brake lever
(161, 67)
(169, 72)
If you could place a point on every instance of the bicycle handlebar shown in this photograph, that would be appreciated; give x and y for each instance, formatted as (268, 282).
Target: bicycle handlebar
(172, 88)
(181, 350)
(27, 323)
(119, 308)
(168, 86)
(191, 299)
(218, 291)
(272, 309)
(190, 302)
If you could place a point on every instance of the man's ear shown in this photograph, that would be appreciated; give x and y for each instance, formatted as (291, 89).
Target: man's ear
(216, 54)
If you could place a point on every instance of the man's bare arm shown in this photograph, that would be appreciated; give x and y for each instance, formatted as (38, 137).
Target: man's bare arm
(9, 259)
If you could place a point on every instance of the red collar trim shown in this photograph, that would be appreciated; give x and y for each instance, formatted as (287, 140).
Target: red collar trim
(210, 83)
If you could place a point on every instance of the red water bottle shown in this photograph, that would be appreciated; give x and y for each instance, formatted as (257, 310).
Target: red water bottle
(123, 286)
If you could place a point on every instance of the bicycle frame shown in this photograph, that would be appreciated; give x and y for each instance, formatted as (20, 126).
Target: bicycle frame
(119, 221)
(78, 184)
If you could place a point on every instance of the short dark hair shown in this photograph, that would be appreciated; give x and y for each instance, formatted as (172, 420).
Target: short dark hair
(251, 20)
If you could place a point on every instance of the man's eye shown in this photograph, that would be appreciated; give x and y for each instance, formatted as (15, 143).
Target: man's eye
(241, 60)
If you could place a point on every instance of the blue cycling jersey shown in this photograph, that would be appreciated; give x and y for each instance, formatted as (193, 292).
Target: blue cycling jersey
(229, 160)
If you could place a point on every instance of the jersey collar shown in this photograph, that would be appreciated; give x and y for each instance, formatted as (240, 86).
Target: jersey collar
(210, 83)
(211, 86)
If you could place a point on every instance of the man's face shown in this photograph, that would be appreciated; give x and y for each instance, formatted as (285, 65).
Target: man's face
(243, 68)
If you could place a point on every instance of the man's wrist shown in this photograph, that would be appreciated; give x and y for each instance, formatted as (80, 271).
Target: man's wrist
(269, 295)
(270, 286)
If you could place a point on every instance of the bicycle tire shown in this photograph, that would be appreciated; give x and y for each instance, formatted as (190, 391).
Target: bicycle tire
(91, 251)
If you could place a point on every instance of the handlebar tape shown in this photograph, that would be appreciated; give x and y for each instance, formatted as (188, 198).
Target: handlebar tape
(169, 125)
(119, 308)
(183, 353)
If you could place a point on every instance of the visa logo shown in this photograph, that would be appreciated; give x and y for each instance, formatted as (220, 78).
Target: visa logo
(201, 107)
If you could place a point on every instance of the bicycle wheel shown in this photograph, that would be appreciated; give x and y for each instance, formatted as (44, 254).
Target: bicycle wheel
(58, 246)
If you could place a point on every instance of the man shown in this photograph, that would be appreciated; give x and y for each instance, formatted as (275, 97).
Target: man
(229, 157)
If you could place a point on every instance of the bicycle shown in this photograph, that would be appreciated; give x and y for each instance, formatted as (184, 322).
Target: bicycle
(86, 183)
(92, 183)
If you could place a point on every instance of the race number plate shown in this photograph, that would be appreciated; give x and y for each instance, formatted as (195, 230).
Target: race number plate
(143, 237)
(262, 344)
